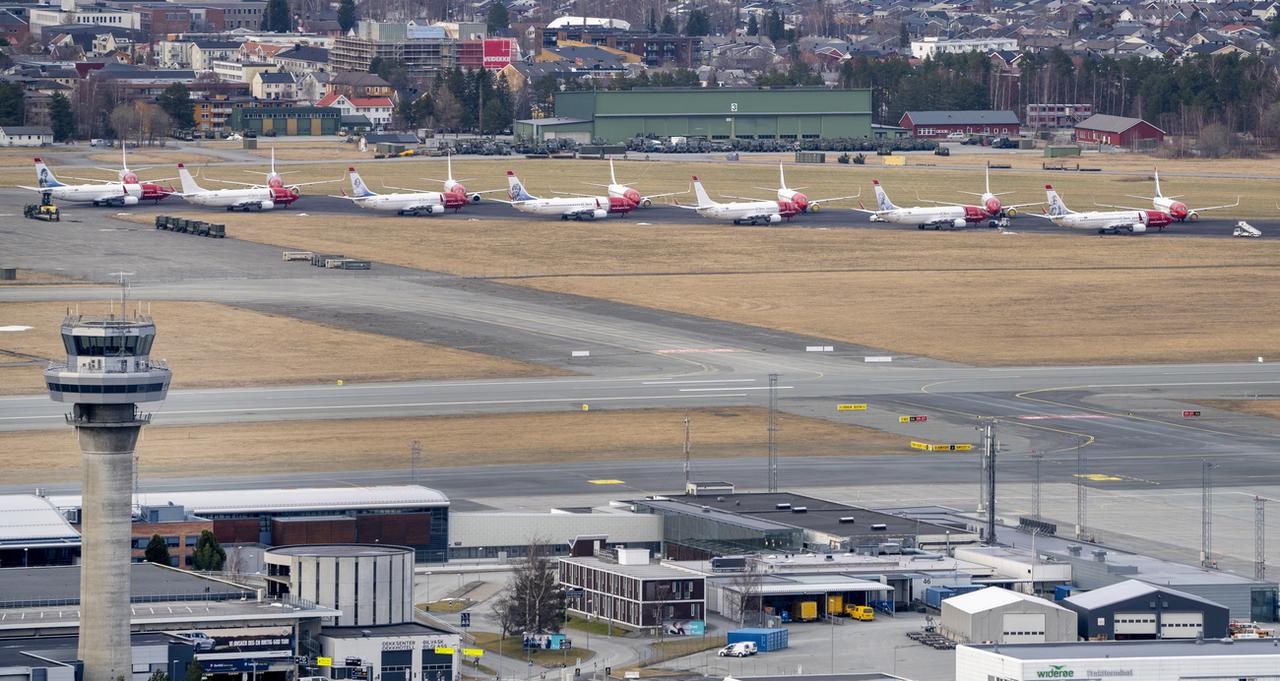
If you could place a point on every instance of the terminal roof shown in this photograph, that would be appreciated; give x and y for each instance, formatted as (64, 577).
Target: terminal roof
(207, 502)
(30, 520)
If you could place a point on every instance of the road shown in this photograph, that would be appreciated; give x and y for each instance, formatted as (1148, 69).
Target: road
(1128, 417)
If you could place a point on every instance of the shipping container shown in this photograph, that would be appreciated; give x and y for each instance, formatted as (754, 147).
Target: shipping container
(1061, 592)
(805, 611)
(766, 640)
(835, 605)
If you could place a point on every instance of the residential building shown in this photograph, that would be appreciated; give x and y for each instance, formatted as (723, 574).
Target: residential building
(422, 49)
(932, 46)
(626, 588)
(490, 53)
(274, 85)
(935, 124)
(1118, 131)
(302, 59)
(360, 84)
(377, 109)
(40, 18)
(313, 86)
(240, 72)
(229, 15)
(160, 20)
(13, 27)
(202, 54)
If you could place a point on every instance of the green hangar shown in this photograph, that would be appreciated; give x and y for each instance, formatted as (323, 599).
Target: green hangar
(713, 113)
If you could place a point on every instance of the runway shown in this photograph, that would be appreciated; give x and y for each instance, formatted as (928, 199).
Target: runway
(1128, 418)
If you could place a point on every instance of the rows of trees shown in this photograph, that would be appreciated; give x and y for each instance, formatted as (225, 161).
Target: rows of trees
(461, 101)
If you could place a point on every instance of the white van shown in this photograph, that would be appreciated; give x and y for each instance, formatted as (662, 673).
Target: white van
(739, 649)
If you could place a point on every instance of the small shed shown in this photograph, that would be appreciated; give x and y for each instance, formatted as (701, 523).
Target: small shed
(1117, 131)
(26, 136)
(995, 615)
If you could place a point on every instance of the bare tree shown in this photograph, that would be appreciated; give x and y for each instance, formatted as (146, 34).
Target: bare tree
(532, 601)
(743, 594)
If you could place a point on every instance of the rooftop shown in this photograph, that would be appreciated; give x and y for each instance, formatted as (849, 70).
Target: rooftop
(649, 571)
(290, 499)
(782, 509)
(19, 652)
(994, 597)
(405, 629)
(1119, 650)
(31, 521)
(1127, 590)
(1108, 123)
(963, 117)
(22, 587)
(339, 550)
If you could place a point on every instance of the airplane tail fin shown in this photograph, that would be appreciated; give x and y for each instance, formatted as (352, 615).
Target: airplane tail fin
(1056, 205)
(358, 188)
(613, 178)
(704, 199)
(515, 190)
(782, 177)
(448, 160)
(882, 199)
(988, 177)
(189, 185)
(45, 176)
(1158, 194)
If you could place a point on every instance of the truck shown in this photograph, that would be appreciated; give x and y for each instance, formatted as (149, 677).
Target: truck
(835, 605)
(1246, 230)
(805, 611)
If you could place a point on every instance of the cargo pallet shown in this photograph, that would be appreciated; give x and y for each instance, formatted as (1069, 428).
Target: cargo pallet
(329, 261)
(172, 223)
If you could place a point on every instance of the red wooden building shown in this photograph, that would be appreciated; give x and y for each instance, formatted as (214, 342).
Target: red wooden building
(935, 124)
(1117, 131)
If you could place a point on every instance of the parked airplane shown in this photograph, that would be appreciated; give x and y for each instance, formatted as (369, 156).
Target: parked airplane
(1113, 222)
(990, 202)
(99, 193)
(455, 194)
(410, 203)
(740, 212)
(1176, 209)
(275, 180)
(151, 189)
(567, 207)
(250, 198)
(617, 190)
(923, 217)
(804, 203)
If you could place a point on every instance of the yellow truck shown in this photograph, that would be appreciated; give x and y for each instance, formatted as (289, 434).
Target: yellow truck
(806, 611)
(862, 613)
(835, 605)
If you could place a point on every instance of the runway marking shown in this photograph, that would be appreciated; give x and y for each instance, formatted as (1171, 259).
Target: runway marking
(1053, 417)
(606, 482)
(759, 387)
(678, 351)
(1097, 477)
(719, 380)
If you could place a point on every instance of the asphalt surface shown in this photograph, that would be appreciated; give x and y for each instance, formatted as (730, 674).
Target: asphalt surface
(1128, 418)
(829, 217)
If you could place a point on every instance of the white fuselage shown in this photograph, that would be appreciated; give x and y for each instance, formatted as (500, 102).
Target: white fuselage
(124, 194)
(1100, 219)
(422, 202)
(219, 198)
(764, 211)
(921, 216)
(561, 205)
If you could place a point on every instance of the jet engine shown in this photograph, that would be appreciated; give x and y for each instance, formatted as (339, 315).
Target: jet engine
(266, 205)
(775, 219)
(1137, 228)
(1010, 212)
(129, 201)
(435, 209)
(599, 214)
(959, 223)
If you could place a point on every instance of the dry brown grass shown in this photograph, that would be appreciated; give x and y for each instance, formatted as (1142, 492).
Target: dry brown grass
(371, 444)
(212, 345)
(146, 156)
(1267, 408)
(28, 277)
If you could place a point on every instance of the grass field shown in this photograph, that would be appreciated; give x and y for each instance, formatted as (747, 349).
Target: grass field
(27, 277)
(1263, 407)
(209, 345)
(510, 647)
(1025, 298)
(375, 444)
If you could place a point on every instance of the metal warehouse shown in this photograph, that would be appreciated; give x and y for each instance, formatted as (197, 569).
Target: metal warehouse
(712, 113)
(1131, 660)
(1001, 616)
(1138, 610)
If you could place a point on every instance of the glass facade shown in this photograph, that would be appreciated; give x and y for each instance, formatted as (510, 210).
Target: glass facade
(720, 534)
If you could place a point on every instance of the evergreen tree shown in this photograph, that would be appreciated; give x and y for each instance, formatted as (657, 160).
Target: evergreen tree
(176, 101)
(499, 19)
(209, 555)
(157, 552)
(753, 26)
(777, 29)
(668, 24)
(276, 17)
(347, 15)
(699, 23)
(12, 104)
(158, 675)
(904, 38)
(61, 118)
(195, 672)
(653, 21)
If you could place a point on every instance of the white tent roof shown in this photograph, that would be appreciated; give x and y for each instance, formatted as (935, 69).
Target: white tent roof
(993, 597)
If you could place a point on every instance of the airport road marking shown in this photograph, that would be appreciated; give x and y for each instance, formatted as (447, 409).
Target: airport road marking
(1054, 417)
(1098, 477)
(678, 351)
(607, 482)
(762, 387)
(717, 380)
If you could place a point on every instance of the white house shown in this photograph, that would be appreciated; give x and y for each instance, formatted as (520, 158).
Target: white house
(274, 85)
(25, 136)
(376, 109)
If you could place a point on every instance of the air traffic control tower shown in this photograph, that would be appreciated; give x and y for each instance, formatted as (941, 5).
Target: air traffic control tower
(107, 373)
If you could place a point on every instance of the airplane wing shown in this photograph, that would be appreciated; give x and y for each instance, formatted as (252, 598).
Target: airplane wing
(1024, 205)
(509, 203)
(96, 180)
(1225, 205)
(863, 209)
(486, 191)
(746, 198)
(37, 189)
(588, 196)
(242, 184)
(816, 202)
(1107, 205)
(308, 184)
(1042, 215)
(774, 189)
(659, 196)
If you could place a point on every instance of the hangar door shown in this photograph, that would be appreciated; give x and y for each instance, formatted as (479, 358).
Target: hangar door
(1023, 628)
(1181, 624)
(1131, 624)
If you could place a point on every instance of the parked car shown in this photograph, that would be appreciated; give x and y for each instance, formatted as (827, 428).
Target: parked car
(957, 136)
(739, 649)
